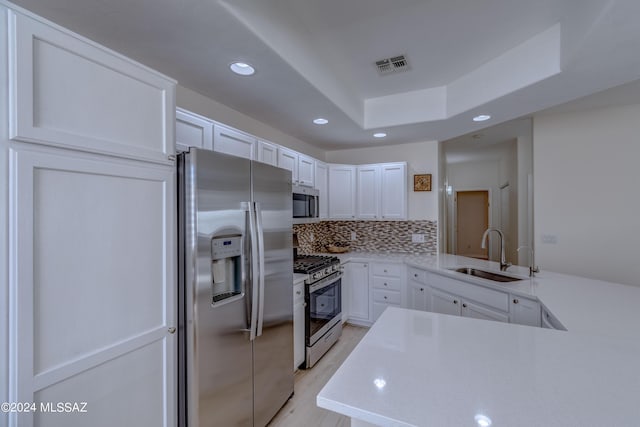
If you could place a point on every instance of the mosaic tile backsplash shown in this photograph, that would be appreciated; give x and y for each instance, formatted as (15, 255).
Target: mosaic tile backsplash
(378, 236)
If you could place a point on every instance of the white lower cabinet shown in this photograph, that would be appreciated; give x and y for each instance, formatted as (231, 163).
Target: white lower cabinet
(357, 290)
(298, 325)
(386, 287)
(445, 303)
(469, 309)
(418, 296)
(524, 311)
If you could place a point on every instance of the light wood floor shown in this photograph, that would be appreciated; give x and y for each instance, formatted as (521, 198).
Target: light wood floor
(301, 409)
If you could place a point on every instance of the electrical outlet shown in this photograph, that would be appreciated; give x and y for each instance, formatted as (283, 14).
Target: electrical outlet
(354, 236)
(312, 237)
(550, 239)
(417, 238)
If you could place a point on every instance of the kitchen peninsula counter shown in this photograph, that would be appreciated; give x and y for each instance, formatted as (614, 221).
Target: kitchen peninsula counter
(418, 368)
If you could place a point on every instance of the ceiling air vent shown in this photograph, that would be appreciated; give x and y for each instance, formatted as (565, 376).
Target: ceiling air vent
(392, 65)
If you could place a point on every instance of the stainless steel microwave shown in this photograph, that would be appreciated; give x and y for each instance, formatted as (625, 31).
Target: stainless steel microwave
(305, 202)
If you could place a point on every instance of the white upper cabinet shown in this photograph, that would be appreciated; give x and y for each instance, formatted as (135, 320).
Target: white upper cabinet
(342, 192)
(368, 190)
(231, 141)
(192, 131)
(322, 185)
(393, 190)
(267, 153)
(70, 92)
(306, 170)
(288, 159)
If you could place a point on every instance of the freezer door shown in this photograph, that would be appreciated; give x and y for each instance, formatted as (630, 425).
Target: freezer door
(216, 352)
(273, 349)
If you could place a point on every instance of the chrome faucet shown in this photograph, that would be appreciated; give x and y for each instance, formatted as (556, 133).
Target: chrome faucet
(503, 260)
(533, 269)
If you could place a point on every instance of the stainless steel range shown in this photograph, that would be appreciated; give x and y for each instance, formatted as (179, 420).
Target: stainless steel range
(323, 297)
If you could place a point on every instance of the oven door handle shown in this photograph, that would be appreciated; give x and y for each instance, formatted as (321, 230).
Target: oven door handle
(327, 281)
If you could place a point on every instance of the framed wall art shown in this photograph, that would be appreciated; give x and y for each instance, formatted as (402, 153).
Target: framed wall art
(422, 182)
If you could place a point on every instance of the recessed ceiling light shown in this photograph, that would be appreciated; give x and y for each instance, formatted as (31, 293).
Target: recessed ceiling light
(481, 118)
(379, 135)
(321, 121)
(242, 68)
(483, 420)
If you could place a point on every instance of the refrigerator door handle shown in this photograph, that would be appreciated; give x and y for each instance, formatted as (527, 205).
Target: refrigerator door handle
(254, 271)
(260, 233)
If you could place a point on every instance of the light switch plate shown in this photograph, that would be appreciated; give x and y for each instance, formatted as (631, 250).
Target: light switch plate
(550, 239)
(354, 236)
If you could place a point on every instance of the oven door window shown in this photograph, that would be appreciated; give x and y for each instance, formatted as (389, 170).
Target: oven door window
(324, 305)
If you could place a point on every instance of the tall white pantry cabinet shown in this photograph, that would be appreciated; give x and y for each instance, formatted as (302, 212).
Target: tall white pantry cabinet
(87, 196)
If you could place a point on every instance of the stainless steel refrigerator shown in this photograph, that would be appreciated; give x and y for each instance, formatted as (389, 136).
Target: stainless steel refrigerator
(235, 280)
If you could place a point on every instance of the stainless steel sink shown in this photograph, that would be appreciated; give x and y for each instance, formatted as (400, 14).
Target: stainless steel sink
(490, 275)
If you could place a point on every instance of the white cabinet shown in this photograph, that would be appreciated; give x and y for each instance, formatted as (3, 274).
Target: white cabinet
(342, 192)
(357, 286)
(393, 190)
(368, 192)
(444, 302)
(267, 153)
(322, 185)
(470, 309)
(231, 141)
(387, 287)
(92, 322)
(288, 159)
(452, 296)
(298, 325)
(418, 295)
(70, 92)
(192, 131)
(306, 170)
(88, 194)
(381, 191)
(524, 311)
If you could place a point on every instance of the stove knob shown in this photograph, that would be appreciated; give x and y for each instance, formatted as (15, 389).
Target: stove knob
(327, 270)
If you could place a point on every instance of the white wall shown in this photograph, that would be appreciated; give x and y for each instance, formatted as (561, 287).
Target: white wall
(586, 192)
(200, 104)
(525, 196)
(421, 157)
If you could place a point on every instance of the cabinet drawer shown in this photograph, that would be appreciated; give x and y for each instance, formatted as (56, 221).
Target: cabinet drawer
(478, 293)
(392, 283)
(392, 270)
(417, 275)
(388, 297)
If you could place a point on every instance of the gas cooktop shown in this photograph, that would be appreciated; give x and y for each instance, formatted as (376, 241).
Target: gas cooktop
(307, 264)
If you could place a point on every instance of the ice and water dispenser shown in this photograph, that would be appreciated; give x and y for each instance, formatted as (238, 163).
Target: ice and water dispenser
(226, 268)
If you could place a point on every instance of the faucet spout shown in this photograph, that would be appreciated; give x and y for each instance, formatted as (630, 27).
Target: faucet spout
(483, 244)
(533, 269)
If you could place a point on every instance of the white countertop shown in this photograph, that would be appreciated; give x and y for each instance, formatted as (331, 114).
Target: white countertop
(443, 370)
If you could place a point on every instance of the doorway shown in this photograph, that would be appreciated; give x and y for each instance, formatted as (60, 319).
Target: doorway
(472, 219)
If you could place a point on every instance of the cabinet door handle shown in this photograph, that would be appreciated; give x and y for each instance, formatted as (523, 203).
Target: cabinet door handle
(464, 305)
(455, 301)
(421, 289)
(515, 301)
(385, 284)
(364, 265)
(385, 297)
(415, 274)
(172, 330)
(385, 271)
(298, 292)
